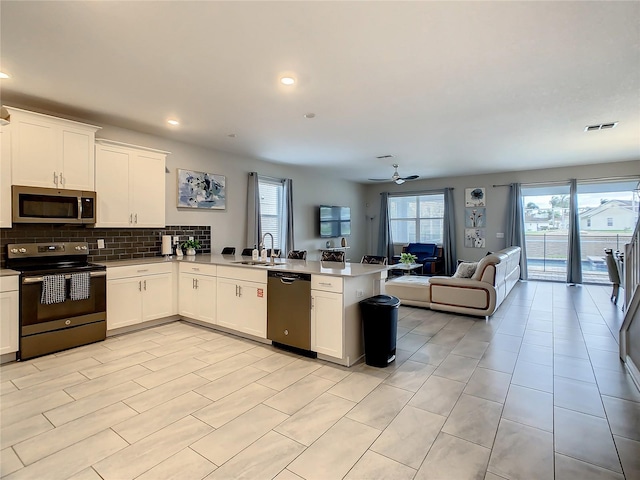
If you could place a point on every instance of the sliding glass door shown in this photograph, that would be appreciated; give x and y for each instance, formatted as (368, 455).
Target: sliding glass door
(608, 215)
(546, 225)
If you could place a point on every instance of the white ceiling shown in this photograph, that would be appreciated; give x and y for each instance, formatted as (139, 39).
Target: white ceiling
(449, 88)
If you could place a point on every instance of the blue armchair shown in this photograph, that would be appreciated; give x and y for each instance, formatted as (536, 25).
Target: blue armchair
(429, 255)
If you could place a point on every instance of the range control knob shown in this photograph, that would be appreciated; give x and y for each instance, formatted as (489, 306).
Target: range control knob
(23, 250)
(84, 247)
(14, 250)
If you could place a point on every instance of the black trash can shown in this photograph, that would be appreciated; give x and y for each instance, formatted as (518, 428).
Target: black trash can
(380, 323)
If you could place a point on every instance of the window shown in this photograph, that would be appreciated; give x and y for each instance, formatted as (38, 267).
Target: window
(272, 209)
(609, 221)
(417, 218)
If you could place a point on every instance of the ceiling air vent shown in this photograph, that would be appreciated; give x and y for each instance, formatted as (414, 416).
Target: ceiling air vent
(384, 156)
(602, 126)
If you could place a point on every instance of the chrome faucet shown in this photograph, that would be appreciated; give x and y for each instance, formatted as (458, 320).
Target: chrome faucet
(264, 245)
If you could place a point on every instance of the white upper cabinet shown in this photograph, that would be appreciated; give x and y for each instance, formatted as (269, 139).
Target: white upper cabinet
(130, 185)
(5, 177)
(51, 152)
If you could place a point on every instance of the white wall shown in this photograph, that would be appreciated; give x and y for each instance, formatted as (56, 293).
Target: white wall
(496, 198)
(228, 228)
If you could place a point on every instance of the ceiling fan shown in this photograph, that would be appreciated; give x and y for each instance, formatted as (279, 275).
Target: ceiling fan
(395, 177)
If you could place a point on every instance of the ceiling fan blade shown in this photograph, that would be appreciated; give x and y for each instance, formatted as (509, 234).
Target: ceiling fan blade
(411, 177)
(399, 181)
(379, 179)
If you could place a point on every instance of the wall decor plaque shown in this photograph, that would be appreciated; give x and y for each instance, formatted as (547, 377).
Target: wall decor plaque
(201, 190)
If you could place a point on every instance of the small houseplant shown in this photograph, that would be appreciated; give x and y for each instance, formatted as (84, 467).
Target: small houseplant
(191, 246)
(408, 258)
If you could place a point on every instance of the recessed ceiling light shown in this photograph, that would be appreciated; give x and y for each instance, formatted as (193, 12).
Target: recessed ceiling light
(309, 115)
(175, 123)
(3, 75)
(287, 80)
(232, 135)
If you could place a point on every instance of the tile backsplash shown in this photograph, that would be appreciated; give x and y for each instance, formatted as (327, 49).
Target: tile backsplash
(120, 244)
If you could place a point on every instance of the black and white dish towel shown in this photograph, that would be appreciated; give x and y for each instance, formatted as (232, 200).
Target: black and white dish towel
(80, 286)
(53, 289)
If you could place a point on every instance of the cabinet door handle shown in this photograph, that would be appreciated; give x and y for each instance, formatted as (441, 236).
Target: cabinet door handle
(136, 221)
(61, 179)
(145, 285)
(196, 283)
(131, 218)
(139, 286)
(312, 302)
(237, 291)
(55, 178)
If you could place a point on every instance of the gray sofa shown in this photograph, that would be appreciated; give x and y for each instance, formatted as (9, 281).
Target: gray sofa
(482, 294)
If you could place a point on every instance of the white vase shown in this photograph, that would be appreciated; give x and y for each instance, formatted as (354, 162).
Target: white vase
(191, 251)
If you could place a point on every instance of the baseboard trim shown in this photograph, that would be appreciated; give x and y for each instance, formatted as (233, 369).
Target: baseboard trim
(633, 371)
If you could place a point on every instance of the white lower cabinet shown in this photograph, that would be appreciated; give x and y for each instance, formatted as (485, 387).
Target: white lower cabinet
(326, 323)
(136, 294)
(198, 292)
(242, 300)
(8, 314)
(327, 310)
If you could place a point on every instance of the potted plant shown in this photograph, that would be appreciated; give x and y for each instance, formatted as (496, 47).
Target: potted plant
(408, 258)
(191, 246)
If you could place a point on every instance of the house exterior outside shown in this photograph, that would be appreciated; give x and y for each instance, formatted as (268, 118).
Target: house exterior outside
(613, 215)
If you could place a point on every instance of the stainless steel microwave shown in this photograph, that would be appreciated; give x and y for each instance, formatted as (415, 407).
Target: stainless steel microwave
(52, 205)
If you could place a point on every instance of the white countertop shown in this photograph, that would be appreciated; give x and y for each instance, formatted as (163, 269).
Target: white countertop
(6, 272)
(281, 264)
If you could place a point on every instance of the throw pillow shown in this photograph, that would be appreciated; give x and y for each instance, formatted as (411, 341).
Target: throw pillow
(465, 270)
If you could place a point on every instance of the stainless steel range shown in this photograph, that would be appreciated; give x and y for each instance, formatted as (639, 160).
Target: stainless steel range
(63, 297)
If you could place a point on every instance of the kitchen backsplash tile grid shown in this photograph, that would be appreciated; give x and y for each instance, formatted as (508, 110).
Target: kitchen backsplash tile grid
(120, 244)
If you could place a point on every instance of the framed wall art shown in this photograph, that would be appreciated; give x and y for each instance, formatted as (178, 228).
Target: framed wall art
(475, 217)
(475, 197)
(201, 190)
(474, 237)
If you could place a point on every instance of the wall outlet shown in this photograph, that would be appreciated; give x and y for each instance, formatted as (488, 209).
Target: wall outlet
(176, 240)
(190, 238)
(100, 243)
(499, 235)
(359, 293)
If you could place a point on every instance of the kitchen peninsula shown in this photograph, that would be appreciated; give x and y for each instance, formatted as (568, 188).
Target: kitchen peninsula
(230, 293)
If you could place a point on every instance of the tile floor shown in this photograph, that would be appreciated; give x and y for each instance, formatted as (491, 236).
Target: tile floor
(537, 392)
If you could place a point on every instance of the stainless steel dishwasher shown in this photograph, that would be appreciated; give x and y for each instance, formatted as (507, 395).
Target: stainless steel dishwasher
(289, 310)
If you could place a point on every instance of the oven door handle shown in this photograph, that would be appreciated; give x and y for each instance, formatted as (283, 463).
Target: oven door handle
(28, 280)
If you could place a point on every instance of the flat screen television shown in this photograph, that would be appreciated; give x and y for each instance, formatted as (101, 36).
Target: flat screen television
(335, 221)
